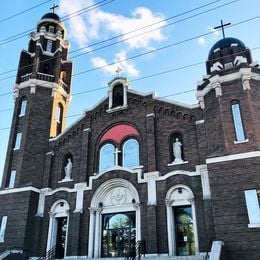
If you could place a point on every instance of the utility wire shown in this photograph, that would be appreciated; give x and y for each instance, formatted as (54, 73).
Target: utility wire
(24, 33)
(124, 34)
(145, 53)
(151, 75)
(24, 11)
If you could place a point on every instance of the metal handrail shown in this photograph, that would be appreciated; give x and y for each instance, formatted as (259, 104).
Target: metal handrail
(49, 254)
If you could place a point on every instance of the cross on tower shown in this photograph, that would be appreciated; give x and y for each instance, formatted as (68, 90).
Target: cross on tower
(54, 7)
(118, 70)
(222, 27)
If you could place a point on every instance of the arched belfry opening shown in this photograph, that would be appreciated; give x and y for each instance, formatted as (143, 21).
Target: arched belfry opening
(117, 94)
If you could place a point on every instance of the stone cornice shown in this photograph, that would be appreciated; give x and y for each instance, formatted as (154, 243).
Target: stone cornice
(215, 82)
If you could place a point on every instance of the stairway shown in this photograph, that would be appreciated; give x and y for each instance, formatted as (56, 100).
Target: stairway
(197, 257)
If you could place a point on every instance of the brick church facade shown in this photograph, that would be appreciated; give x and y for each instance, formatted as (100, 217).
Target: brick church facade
(133, 168)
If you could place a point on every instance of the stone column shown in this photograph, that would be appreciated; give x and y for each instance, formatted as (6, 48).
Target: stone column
(97, 234)
(170, 228)
(138, 221)
(92, 213)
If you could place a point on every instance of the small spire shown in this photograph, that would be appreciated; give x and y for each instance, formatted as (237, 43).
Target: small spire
(118, 70)
(54, 7)
(222, 27)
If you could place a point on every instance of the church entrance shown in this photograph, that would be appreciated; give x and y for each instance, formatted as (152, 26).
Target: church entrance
(184, 234)
(118, 235)
(181, 222)
(58, 229)
(61, 237)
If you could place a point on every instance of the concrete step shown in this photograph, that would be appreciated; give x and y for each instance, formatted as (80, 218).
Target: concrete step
(163, 257)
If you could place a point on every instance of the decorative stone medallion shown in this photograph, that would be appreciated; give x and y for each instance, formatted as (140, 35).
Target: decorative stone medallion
(118, 196)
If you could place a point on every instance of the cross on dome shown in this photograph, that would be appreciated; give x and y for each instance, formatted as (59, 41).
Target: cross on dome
(54, 7)
(222, 27)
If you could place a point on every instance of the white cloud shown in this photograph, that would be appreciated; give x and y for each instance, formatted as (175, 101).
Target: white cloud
(125, 66)
(201, 41)
(98, 25)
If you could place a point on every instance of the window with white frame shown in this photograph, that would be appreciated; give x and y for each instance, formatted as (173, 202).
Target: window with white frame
(106, 157)
(18, 141)
(23, 105)
(253, 207)
(12, 179)
(49, 46)
(3, 223)
(131, 153)
(237, 119)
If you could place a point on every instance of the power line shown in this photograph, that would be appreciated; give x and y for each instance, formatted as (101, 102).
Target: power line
(24, 33)
(141, 78)
(148, 52)
(151, 75)
(126, 39)
(24, 11)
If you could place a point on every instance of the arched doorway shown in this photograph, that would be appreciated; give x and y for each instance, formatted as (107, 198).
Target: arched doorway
(181, 222)
(58, 228)
(114, 225)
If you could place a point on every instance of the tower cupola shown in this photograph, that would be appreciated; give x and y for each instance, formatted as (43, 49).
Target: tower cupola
(226, 54)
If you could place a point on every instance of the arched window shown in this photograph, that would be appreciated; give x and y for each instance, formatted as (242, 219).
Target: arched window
(23, 105)
(237, 119)
(176, 148)
(59, 118)
(118, 96)
(106, 157)
(131, 153)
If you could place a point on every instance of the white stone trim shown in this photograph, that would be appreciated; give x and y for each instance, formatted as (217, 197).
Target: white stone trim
(245, 74)
(171, 202)
(96, 211)
(52, 231)
(254, 225)
(23, 189)
(241, 142)
(177, 163)
(232, 157)
(198, 122)
(204, 181)
(150, 178)
(80, 187)
(151, 187)
(150, 115)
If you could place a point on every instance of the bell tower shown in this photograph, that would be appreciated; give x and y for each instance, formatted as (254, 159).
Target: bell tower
(42, 95)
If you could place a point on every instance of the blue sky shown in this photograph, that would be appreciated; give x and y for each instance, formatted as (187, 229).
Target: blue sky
(117, 17)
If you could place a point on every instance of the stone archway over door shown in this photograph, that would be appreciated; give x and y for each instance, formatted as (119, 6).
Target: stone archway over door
(58, 228)
(181, 221)
(114, 199)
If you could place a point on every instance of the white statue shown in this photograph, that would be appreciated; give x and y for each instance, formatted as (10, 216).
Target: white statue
(177, 151)
(68, 170)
